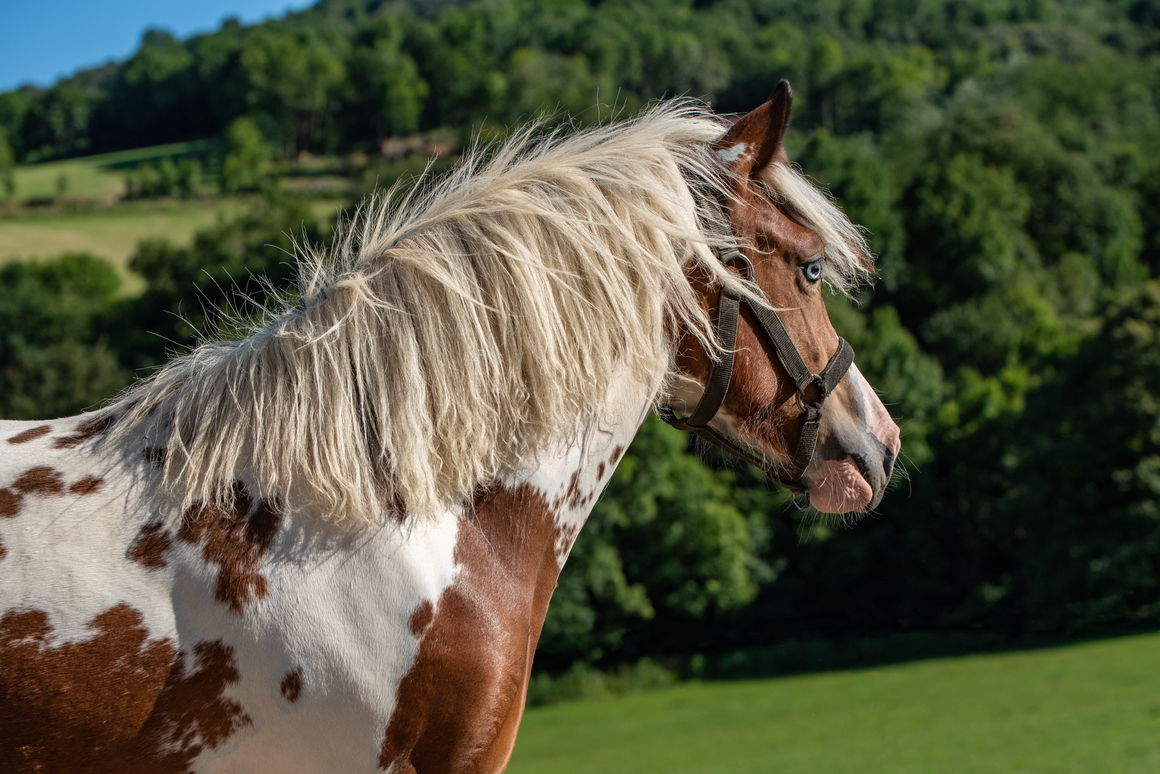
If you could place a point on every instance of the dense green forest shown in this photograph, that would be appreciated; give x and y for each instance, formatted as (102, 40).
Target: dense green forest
(1004, 155)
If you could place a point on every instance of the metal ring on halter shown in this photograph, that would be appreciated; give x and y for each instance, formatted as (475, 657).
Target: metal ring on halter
(735, 256)
(818, 383)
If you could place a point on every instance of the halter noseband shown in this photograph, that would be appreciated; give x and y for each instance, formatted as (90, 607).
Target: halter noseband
(812, 389)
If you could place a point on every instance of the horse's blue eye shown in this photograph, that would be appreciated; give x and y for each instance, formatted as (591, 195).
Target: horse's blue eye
(813, 270)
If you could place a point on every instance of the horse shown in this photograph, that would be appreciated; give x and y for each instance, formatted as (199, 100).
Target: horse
(330, 544)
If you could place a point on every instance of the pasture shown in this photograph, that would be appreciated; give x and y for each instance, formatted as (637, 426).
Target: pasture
(113, 233)
(1091, 707)
(99, 177)
(94, 219)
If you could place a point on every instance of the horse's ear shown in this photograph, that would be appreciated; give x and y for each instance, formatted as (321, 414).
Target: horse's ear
(756, 139)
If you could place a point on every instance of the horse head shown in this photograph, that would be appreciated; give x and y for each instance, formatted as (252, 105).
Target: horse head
(798, 407)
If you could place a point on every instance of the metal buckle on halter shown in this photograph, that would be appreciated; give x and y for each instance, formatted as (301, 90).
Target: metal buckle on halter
(817, 382)
(733, 256)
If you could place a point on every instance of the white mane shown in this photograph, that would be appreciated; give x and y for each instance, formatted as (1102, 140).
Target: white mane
(449, 337)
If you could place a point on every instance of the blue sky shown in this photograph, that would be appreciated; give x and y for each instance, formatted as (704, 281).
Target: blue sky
(42, 40)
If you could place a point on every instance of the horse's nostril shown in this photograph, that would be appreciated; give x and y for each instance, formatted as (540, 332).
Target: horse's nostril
(888, 464)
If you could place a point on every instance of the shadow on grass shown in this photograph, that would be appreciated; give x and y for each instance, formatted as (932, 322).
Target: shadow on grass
(195, 149)
(794, 657)
(804, 655)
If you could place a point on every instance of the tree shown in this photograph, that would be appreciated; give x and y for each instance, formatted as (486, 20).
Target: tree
(291, 80)
(1086, 551)
(54, 358)
(389, 94)
(57, 121)
(245, 159)
(150, 101)
(540, 82)
(7, 166)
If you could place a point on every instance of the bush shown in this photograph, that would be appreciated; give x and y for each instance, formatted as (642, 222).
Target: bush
(246, 159)
(581, 681)
(54, 359)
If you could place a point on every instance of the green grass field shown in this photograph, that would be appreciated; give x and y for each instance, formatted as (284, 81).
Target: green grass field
(112, 229)
(1092, 708)
(112, 233)
(99, 177)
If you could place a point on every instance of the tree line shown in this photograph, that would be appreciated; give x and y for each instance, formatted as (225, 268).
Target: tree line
(1004, 155)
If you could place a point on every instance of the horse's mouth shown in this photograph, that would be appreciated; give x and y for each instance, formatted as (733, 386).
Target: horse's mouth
(841, 486)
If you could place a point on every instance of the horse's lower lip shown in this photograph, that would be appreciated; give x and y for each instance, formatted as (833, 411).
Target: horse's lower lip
(839, 486)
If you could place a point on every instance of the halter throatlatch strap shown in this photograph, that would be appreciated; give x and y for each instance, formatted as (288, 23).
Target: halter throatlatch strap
(812, 389)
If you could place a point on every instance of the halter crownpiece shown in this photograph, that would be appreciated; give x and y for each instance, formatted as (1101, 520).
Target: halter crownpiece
(812, 389)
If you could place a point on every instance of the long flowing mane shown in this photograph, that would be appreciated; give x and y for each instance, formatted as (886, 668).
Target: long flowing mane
(449, 336)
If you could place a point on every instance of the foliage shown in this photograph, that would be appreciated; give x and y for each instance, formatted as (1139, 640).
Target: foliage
(7, 167)
(1005, 157)
(165, 178)
(69, 339)
(54, 353)
(245, 158)
(581, 681)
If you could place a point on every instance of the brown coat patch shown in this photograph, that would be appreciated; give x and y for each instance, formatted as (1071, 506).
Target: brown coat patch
(31, 434)
(421, 618)
(460, 705)
(572, 496)
(45, 481)
(84, 432)
(9, 503)
(149, 547)
(41, 480)
(117, 702)
(234, 539)
(87, 485)
(292, 685)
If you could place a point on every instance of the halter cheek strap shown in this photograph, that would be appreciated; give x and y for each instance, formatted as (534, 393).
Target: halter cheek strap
(812, 389)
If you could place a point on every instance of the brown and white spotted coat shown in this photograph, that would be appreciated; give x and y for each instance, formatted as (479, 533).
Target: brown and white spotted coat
(134, 639)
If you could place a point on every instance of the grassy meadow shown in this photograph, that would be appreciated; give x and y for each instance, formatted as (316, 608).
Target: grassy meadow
(113, 233)
(100, 177)
(1079, 709)
(86, 214)
(110, 233)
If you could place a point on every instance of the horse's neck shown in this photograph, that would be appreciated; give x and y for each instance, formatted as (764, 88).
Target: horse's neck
(483, 627)
(514, 540)
(550, 501)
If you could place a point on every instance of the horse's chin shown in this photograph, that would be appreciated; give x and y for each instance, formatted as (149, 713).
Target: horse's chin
(838, 486)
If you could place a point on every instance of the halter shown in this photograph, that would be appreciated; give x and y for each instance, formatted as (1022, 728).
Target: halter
(812, 389)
